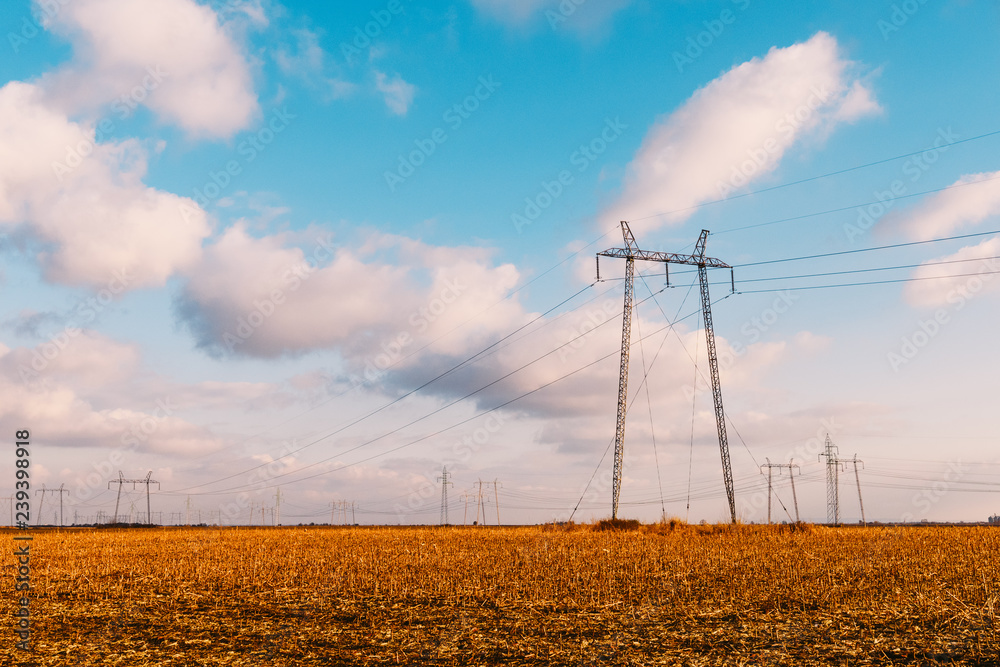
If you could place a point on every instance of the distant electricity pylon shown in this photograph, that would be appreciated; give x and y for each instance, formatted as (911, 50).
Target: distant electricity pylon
(343, 506)
(42, 491)
(480, 503)
(465, 517)
(770, 466)
(122, 481)
(630, 253)
(444, 494)
(62, 490)
(857, 479)
(833, 465)
(277, 507)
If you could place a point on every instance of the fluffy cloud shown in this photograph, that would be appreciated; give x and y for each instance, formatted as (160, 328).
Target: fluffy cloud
(974, 269)
(265, 297)
(82, 199)
(172, 56)
(65, 390)
(971, 199)
(308, 61)
(737, 128)
(397, 93)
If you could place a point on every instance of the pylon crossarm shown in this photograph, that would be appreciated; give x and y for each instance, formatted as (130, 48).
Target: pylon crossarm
(651, 256)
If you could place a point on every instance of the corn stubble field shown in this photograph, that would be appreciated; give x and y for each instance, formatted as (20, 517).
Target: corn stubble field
(659, 595)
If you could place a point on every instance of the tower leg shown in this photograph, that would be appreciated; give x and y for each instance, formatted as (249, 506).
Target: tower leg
(720, 415)
(623, 385)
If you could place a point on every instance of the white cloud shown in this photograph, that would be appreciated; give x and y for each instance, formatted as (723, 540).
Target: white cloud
(511, 11)
(309, 62)
(76, 390)
(972, 199)
(172, 56)
(264, 297)
(812, 343)
(973, 267)
(738, 127)
(583, 17)
(83, 199)
(397, 93)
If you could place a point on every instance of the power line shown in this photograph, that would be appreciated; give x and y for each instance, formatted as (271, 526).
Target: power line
(397, 399)
(818, 177)
(869, 270)
(455, 425)
(869, 282)
(856, 206)
(857, 250)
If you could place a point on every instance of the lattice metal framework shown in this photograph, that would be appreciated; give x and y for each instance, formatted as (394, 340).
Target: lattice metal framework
(630, 253)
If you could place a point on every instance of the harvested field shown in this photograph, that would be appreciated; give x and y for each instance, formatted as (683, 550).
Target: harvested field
(659, 595)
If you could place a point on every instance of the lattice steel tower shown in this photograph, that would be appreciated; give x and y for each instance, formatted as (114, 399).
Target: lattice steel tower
(831, 452)
(444, 495)
(630, 253)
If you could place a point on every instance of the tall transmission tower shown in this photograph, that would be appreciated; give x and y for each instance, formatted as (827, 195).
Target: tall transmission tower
(833, 463)
(444, 494)
(630, 253)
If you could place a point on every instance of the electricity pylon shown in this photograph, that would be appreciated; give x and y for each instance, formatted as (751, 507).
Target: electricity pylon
(833, 464)
(62, 489)
(630, 253)
(857, 479)
(770, 466)
(444, 495)
(146, 480)
(42, 491)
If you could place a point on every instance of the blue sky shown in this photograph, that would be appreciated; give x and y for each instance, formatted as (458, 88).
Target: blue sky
(243, 239)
